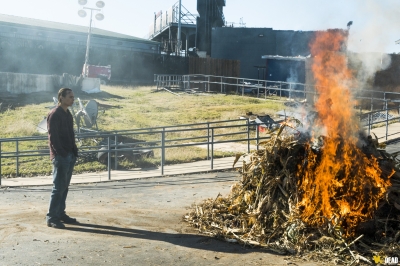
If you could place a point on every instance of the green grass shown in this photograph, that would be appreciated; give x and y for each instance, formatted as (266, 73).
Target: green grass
(133, 107)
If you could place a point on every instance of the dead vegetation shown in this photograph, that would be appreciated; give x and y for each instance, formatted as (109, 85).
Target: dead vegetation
(267, 207)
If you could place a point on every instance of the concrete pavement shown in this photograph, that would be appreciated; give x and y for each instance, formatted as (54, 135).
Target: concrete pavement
(393, 132)
(177, 169)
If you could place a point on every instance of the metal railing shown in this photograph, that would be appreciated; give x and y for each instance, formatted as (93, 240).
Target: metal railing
(368, 120)
(239, 85)
(263, 88)
(163, 138)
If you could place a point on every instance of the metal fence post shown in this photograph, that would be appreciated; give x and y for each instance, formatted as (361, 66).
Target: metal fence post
(257, 134)
(387, 119)
(17, 158)
(109, 158)
(162, 150)
(248, 135)
(116, 153)
(221, 84)
(265, 90)
(212, 148)
(372, 104)
(369, 123)
(0, 163)
(208, 141)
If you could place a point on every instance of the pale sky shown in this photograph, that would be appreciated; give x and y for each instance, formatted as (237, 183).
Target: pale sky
(376, 23)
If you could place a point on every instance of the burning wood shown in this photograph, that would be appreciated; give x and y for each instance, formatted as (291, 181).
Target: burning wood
(278, 203)
(328, 189)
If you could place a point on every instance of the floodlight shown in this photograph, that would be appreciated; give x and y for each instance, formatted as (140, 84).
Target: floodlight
(82, 2)
(82, 13)
(99, 16)
(100, 4)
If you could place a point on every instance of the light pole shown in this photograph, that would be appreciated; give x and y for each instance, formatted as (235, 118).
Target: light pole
(99, 16)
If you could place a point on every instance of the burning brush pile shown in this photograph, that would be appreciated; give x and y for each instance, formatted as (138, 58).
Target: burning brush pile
(328, 193)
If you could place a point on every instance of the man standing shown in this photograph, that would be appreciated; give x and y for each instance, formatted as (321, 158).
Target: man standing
(63, 153)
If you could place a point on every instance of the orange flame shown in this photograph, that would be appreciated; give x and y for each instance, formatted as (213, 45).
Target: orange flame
(340, 182)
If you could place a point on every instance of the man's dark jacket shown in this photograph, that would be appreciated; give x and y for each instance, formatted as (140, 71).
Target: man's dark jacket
(60, 126)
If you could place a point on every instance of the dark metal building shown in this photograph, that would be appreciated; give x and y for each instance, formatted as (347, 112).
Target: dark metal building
(249, 45)
(210, 15)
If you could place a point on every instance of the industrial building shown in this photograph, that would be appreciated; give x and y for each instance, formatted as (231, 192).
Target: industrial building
(43, 47)
(249, 45)
(213, 37)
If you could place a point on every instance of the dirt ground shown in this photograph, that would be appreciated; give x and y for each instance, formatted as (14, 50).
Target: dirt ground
(136, 222)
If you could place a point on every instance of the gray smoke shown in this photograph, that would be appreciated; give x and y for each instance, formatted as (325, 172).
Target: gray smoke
(366, 65)
(379, 27)
(371, 37)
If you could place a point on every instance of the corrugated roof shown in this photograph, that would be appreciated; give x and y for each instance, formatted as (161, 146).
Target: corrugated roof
(66, 27)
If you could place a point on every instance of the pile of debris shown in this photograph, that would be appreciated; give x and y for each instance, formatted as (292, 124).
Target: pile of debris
(277, 204)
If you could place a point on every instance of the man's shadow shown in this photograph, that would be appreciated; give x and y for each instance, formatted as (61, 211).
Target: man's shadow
(185, 240)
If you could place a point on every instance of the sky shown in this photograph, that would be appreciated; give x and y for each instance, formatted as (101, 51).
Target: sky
(375, 28)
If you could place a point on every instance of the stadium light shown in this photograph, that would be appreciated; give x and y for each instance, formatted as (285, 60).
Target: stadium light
(82, 13)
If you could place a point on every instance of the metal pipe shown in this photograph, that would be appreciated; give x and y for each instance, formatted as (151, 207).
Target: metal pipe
(17, 158)
(108, 158)
(0, 163)
(369, 123)
(162, 150)
(257, 135)
(212, 148)
(116, 152)
(208, 141)
(248, 135)
(387, 120)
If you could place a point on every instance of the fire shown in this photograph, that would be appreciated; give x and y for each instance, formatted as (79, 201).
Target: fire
(338, 183)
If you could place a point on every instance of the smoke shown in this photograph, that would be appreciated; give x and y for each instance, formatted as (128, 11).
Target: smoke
(366, 65)
(293, 77)
(376, 27)
(371, 37)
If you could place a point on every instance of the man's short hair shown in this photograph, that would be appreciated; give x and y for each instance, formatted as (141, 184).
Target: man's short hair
(62, 93)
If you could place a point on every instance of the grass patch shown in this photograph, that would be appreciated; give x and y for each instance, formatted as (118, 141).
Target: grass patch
(134, 107)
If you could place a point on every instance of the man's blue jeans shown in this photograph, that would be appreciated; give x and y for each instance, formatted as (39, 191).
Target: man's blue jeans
(62, 172)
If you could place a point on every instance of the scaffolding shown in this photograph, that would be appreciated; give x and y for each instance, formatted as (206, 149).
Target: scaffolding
(165, 29)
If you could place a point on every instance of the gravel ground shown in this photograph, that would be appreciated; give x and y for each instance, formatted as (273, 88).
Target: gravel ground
(136, 222)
